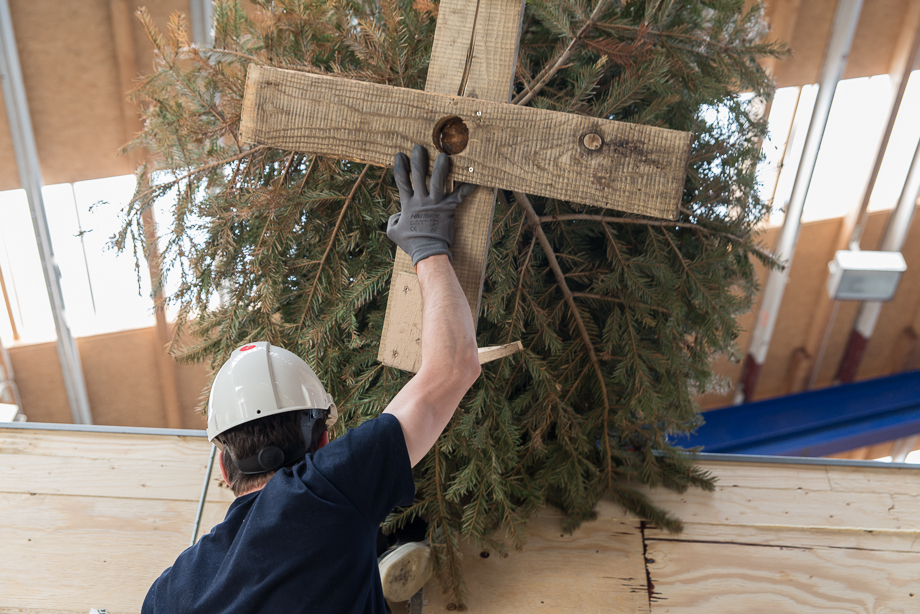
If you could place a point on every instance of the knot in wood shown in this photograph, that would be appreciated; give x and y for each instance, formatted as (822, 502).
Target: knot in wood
(593, 141)
(451, 135)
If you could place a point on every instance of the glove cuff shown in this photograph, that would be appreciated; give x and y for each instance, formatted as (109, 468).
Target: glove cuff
(421, 254)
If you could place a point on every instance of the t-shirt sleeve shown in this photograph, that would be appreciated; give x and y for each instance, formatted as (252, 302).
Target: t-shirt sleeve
(370, 466)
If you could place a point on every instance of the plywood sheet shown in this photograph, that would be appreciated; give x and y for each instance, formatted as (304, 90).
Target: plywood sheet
(75, 552)
(701, 578)
(90, 464)
(599, 568)
(71, 542)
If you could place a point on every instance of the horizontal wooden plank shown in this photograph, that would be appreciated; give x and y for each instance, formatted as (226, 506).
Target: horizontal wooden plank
(778, 476)
(702, 578)
(107, 465)
(784, 476)
(599, 568)
(793, 508)
(65, 553)
(104, 477)
(895, 480)
(783, 536)
(638, 169)
(90, 444)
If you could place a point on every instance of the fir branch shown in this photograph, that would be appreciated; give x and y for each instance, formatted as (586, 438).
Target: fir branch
(332, 237)
(550, 71)
(656, 223)
(576, 313)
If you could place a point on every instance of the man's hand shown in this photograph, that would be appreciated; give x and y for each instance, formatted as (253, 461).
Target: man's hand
(425, 226)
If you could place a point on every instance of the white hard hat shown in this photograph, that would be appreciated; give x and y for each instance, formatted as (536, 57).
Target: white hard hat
(261, 380)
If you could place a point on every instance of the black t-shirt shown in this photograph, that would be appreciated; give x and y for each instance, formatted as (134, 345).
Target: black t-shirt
(304, 543)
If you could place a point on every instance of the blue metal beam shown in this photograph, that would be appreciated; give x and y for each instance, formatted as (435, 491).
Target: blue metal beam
(815, 423)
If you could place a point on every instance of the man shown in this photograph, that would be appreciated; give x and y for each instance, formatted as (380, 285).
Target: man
(301, 535)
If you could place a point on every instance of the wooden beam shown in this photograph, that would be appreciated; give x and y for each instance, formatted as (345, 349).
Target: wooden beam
(634, 168)
(477, 58)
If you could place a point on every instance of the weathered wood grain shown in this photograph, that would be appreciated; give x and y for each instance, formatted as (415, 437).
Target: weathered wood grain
(474, 54)
(598, 568)
(783, 476)
(701, 578)
(639, 169)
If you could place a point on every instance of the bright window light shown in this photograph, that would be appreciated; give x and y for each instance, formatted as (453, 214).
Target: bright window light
(848, 149)
(901, 148)
(782, 112)
(99, 285)
(781, 130)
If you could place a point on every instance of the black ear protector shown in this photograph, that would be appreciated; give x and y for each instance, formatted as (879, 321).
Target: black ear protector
(271, 458)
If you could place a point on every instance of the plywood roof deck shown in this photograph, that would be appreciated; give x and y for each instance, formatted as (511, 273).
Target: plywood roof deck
(90, 519)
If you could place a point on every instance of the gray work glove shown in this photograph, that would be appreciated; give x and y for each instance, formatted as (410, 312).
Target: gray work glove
(425, 226)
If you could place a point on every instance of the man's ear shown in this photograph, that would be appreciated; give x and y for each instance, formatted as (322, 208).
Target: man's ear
(223, 468)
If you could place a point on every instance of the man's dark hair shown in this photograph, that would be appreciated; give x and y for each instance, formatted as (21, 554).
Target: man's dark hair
(248, 439)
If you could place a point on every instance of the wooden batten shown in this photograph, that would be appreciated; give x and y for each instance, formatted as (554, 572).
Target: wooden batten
(629, 167)
(91, 519)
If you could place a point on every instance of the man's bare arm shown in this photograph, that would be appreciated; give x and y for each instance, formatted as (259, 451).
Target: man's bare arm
(450, 360)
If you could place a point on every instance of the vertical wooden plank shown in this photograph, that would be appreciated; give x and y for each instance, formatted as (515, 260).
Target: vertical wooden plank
(474, 53)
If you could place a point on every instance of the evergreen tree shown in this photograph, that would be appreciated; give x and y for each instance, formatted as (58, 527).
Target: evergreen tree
(619, 314)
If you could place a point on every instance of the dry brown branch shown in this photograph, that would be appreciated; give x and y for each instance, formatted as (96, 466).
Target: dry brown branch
(547, 73)
(576, 313)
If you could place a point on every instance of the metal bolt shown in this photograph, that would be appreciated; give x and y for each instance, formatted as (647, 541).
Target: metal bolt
(471, 169)
(593, 141)
(395, 353)
(478, 113)
(406, 289)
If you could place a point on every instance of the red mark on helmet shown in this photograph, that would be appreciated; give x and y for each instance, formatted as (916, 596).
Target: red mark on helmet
(247, 347)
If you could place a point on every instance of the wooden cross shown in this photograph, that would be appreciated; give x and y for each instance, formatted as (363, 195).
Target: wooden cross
(464, 111)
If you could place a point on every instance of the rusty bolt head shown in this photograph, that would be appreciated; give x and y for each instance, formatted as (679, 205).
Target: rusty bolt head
(593, 141)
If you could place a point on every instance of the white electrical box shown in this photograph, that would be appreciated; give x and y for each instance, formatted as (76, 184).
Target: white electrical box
(8, 412)
(865, 276)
